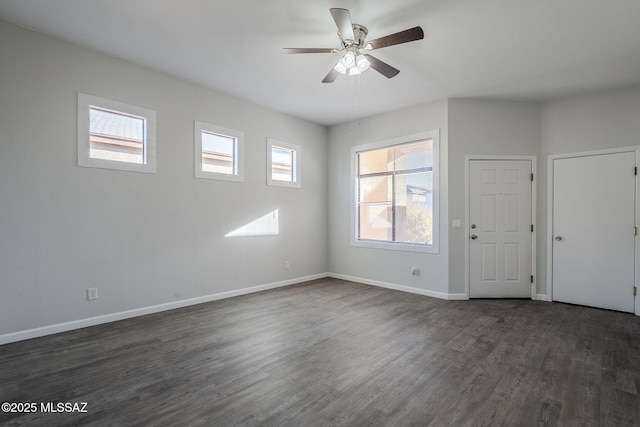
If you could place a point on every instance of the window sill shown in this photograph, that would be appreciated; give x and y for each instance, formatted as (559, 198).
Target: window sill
(407, 247)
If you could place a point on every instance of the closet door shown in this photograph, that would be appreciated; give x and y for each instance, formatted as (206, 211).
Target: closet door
(593, 230)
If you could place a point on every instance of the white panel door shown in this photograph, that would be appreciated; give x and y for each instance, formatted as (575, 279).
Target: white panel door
(500, 229)
(593, 240)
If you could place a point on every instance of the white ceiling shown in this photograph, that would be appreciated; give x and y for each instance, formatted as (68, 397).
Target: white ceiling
(506, 49)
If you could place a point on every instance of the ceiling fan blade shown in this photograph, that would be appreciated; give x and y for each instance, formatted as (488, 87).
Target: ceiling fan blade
(307, 50)
(343, 21)
(405, 36)
(331, 77)
(382, 67)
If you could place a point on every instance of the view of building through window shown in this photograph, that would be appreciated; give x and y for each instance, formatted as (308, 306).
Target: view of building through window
(116, 136)
(395, 193)
(282, 164)
(219, 153)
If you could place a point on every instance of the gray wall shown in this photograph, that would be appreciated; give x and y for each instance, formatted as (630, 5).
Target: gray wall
(377, 265)
(480, 127)
(608, 119)
(142, 239)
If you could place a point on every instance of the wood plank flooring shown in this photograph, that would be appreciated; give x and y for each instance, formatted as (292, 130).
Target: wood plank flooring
(331, 352)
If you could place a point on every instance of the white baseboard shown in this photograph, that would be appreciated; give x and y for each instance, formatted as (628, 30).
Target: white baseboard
(543, 297)
(97, 320)
(458, 297)
(403, 288)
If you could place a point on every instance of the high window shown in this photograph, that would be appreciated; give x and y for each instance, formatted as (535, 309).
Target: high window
(114, 135)
(219, 152)
(396, 184)
(283, 164)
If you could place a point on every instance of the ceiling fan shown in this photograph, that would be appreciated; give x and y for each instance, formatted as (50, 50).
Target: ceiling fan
(352, 37)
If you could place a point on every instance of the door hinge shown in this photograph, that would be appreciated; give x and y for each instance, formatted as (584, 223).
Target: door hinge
(635, 291)
(635, 231)
(635, 170)
(532, 177)
(532, 228)
(532, 278)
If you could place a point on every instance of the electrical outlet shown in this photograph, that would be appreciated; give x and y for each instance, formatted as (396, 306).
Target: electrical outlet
(286, 265)
(92, 294)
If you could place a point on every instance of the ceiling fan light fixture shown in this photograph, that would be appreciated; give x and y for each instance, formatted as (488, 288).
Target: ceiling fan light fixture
(352, 63)
(340, 67)
(362, 63)
(349, 59)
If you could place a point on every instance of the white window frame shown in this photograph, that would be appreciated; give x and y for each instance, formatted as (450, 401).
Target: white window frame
(296, 166)
(200, 127)
(85, 102)
(434, 247)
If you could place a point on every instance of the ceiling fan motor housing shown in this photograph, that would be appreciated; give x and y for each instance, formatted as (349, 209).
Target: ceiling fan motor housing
(359, 33)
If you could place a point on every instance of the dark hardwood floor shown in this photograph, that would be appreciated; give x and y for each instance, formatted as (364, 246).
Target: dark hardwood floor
(331, 352)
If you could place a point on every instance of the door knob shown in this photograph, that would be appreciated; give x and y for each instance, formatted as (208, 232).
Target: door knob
(558, 238)
(474, 237)
(473, 226)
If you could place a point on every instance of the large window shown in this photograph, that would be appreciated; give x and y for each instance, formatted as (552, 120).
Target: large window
(219, 152)
(283, 164)
(396, 193)
(114, 135)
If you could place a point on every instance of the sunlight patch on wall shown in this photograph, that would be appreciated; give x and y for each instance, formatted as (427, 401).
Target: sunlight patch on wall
(266, 225)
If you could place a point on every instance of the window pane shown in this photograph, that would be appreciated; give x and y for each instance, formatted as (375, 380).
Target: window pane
(116, 136)
(375, 161)
(218, 153)
(396, 199)
(376, 222)
(397, 203)
(414, 208)
(282, 164)
(376, 189)
(415, 155)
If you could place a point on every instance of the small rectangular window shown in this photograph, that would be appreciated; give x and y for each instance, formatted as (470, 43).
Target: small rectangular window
(396, 194)
(283, 164)
(218, 152)
(114, 135)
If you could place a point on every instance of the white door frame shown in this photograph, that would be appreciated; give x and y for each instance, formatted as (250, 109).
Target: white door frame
(551, 159)
(467, 214)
